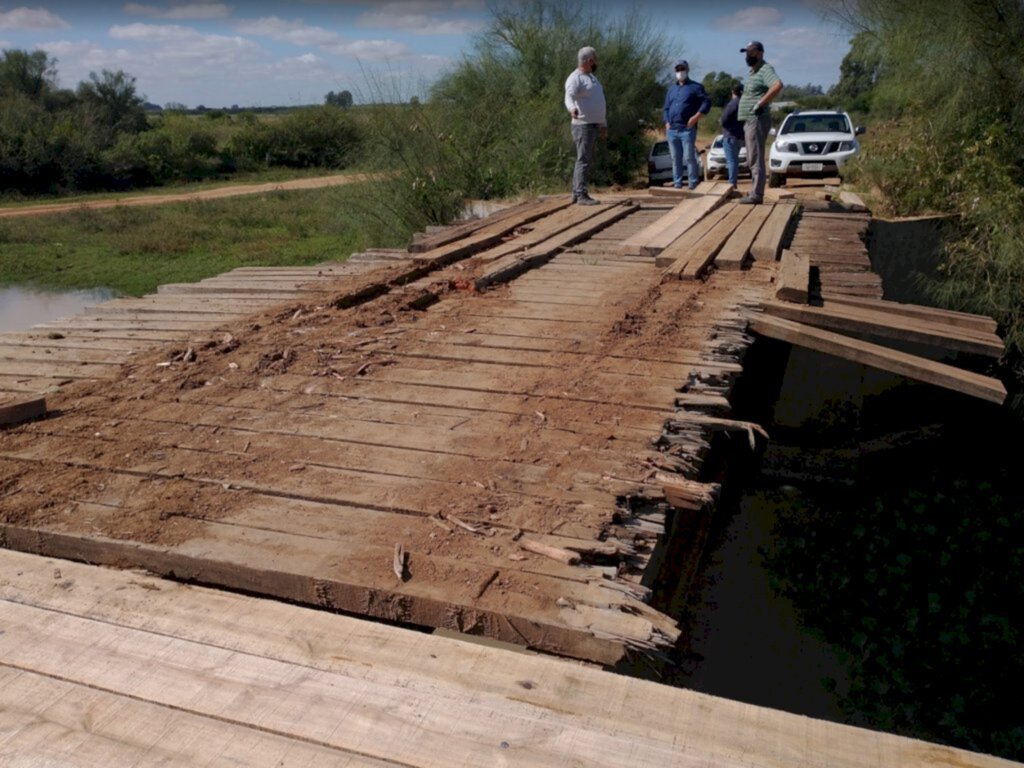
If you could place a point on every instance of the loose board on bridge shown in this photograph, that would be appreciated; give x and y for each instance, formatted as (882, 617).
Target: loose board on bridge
(883, 358)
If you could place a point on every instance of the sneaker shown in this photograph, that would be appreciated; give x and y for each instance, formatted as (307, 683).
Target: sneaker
(750, 200)
(586, 200)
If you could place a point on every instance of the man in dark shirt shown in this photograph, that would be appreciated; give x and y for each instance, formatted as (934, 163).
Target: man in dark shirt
(685, 102)
(732, 134)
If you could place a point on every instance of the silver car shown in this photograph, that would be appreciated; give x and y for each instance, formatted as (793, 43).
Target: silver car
(716, 163)
(659, 164)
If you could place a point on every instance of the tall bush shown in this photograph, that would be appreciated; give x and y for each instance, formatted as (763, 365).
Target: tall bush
(496, 126)
(950, 81)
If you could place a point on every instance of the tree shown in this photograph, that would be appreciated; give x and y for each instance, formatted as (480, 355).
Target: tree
(719, 86)
(31, 74)
(858, 73)
(111, 100)
(341, 99)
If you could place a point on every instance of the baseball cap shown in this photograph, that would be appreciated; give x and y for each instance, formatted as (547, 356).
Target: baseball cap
(681, 63)
(752, 44)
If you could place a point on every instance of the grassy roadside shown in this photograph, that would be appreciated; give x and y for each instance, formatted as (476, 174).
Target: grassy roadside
(133, 250)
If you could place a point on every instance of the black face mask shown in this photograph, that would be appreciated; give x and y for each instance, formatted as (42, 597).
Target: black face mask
(593, 69)
(751, 60)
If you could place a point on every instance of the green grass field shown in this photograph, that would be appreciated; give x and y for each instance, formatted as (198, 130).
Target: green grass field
(133, 250)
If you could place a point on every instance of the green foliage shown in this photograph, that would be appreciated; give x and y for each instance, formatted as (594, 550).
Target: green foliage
(859, 73)
(496, 125)
(29, 74)
(800, 92)
(341, 99)
(950, 82)
(320, 137)
(919, 591)
(719, 86)
(99, 136)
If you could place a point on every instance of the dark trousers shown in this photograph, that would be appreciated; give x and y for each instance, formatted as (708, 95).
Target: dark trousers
(585, 137)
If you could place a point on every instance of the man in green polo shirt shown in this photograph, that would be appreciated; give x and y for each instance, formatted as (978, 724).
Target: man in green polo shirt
(761, 87)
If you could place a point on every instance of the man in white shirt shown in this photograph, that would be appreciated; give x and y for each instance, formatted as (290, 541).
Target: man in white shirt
(584, 98)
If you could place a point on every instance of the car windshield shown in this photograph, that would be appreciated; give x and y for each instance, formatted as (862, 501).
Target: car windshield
(827, 123)
(660, 148)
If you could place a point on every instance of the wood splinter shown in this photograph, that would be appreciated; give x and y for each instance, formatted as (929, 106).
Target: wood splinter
(555, 553)
(399, 562)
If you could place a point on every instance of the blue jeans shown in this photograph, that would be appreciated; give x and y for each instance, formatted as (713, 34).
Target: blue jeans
(682, 146)
(731, 145)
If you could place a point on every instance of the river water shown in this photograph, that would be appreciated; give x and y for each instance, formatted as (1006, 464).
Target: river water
(21, 308)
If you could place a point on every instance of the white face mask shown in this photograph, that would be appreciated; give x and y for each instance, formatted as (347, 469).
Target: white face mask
(681, 76)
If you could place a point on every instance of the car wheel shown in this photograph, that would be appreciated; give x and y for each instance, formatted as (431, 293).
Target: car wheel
(652, 183)
(776, 179)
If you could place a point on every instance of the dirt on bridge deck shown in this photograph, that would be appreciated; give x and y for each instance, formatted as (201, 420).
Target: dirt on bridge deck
(374, 456)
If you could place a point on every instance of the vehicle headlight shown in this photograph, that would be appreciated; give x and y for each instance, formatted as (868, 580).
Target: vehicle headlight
(846, 146)
(785, 146)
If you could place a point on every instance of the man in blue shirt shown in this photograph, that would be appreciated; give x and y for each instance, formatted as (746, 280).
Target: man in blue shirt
(685, 103)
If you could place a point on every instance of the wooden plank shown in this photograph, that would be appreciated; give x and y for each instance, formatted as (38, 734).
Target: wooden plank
(491, 234)
(480, 685)
(683, 246)
(852, 201)
(55, 722)
(699, 259)
(733, 254)
(883, 358)
(632, 246)
(979, 323)
(768, 243)
(794, 278)
(513, 265)
(678, 228)
(15, 411)
(872, 322)
(458, 231)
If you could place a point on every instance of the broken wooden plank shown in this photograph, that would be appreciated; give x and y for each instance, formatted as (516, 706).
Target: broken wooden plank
(768, 243)
(794, 278)
(15, 411)
(883, 358)
(736, 249)
(847, 319)
(966, 320)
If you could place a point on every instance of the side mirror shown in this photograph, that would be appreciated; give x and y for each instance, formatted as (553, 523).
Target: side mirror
(772, 132)
(859, 130)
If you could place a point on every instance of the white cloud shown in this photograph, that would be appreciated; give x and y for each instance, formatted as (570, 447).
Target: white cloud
(31, 18)
(188, 11)
(282, 30)
(420, 24)
(371, 50)
(750, 19)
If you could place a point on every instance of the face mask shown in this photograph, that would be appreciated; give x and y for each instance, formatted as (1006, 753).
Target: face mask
(593, 69)
(681, 76)
(751, 60)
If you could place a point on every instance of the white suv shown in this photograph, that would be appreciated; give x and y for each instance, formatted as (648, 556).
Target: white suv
(812, 144)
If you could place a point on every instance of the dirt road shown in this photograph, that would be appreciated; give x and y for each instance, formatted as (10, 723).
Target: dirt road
(206, 194)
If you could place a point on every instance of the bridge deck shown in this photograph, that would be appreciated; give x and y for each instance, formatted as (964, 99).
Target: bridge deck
(385, 439)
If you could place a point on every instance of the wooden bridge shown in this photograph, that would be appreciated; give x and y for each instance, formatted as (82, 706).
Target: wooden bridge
(497, 433)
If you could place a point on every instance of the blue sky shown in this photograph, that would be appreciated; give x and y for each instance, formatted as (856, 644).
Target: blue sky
(266, 53)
